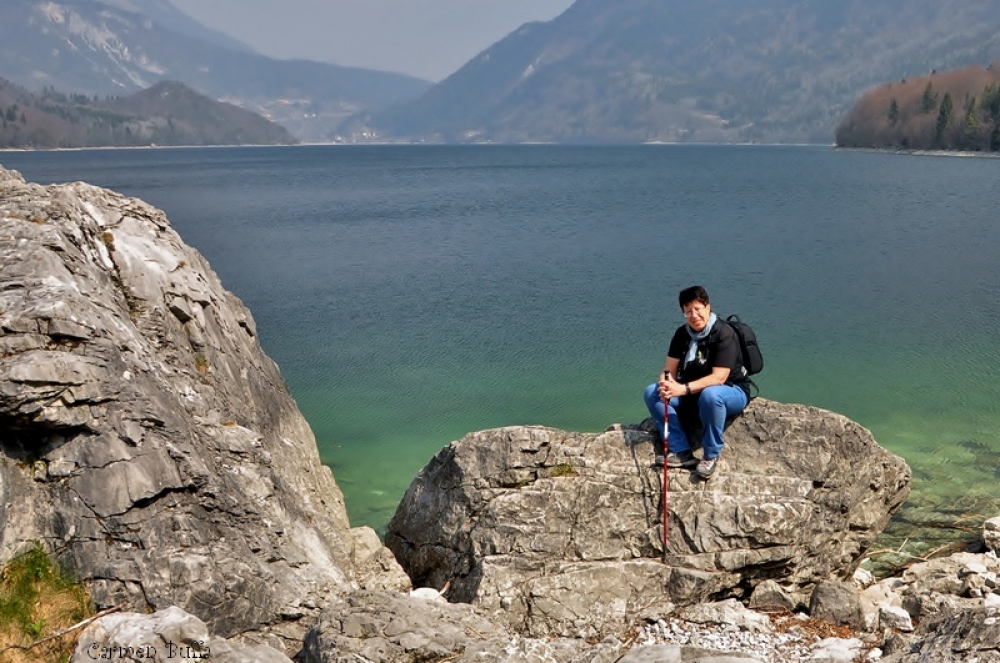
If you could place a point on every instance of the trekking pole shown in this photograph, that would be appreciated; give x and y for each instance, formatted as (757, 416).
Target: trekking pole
(666, 480)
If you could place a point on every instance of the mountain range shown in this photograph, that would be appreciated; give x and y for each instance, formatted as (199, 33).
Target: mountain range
(692, 70)
(117, 47)
(621, 71)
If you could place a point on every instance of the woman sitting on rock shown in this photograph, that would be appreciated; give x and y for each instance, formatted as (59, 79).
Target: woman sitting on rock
(704, 372)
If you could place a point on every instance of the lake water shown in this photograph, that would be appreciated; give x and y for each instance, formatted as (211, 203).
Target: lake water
(412, 294)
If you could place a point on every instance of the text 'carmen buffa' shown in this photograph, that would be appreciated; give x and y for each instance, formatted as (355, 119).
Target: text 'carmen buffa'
(193, 651)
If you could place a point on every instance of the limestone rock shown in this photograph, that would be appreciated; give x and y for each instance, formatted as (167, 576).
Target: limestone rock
(770, 596)
(895, 618)
(941, 585)
(955, 636)
(374, 565)
(730, 612)
(837, 650)
(164, 636)
(991, 534)
(561, 531)
(928, 614)
(863, 578)
(677, 654)
(146, 436)
(880, 595)
(386, 627)
(837, 603)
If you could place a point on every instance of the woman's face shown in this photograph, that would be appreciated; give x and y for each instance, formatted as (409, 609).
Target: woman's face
(697, 315)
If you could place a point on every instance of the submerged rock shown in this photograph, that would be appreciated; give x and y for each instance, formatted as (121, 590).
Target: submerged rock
(146, 437)
(562, 531)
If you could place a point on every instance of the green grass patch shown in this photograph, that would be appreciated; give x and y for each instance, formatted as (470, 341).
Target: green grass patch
(38, 599)
(563, 470)
(201, 364)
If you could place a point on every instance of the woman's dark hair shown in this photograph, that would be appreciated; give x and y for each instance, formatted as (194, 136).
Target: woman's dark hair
(694, 294)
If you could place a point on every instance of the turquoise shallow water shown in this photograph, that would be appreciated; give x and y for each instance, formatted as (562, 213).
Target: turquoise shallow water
(412, 294)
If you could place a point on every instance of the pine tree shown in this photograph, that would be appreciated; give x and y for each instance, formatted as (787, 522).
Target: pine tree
(991, 101)
(893, 112)
(929, 101)
(972, 125)
(944, 115)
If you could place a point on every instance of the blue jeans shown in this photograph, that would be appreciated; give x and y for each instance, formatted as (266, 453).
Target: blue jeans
(715, 405)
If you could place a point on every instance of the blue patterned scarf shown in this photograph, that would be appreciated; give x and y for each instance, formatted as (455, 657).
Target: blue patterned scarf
(698, 336)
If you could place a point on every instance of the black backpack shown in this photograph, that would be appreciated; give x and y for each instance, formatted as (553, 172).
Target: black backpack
(753, 361)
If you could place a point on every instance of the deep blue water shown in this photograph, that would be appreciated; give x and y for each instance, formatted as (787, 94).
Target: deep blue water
(411, 294)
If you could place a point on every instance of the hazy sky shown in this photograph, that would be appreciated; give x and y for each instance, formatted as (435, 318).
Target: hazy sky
(425, 38)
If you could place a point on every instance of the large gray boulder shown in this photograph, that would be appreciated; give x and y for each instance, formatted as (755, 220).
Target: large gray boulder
(166, 635)
(146, 437)
(561, 531)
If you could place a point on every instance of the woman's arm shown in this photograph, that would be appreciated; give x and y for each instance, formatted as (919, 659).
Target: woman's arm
(669, 387)
(718, 376)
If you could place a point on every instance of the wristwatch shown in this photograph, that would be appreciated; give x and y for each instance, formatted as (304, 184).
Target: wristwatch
(687, 389)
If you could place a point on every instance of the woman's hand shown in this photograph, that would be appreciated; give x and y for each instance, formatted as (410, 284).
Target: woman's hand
(671, 388)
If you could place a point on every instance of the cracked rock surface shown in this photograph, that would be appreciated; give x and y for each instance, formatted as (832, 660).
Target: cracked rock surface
(393, 628)
(146, 438)
(166, 635)
(561, 531)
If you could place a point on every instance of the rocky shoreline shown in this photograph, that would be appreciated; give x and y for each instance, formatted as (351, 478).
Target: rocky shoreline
(149, 444)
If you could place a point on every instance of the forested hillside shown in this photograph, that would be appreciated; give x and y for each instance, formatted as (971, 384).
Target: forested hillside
(954, 110)
(693, 70)
(165, 114)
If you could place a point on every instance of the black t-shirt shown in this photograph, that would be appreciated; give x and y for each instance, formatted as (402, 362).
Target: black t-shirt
(720, 348)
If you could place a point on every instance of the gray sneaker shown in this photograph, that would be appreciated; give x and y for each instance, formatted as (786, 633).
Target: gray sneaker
(681, 459)
(706, 468)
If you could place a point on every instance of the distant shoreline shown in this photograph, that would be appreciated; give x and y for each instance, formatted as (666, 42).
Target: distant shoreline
(405, 144)
(924, 153)
(129, 147)
(877, 150)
